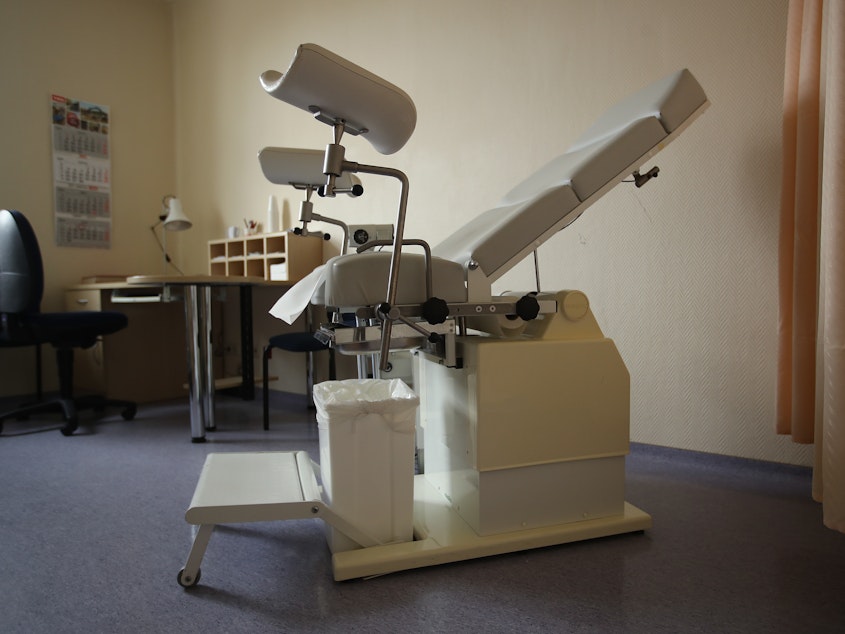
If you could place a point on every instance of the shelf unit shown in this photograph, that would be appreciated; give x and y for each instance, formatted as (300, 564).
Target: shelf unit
(280, 257)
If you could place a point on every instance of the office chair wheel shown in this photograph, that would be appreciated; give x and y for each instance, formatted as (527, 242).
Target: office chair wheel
(129, 412)
(69, 428)
(188, 582)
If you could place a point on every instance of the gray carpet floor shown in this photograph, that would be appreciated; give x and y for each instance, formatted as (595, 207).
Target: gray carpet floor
(92, 536)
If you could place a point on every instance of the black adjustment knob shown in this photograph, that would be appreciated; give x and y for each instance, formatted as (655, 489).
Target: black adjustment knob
(435, 338)
(327, 236)
(297, 231)
(435, 310)
(527, 307)
(357, 190)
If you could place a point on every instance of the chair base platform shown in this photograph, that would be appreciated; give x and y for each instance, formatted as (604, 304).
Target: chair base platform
(250, 487)
(441, 536)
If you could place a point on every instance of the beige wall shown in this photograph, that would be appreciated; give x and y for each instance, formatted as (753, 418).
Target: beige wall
(114, 52)
(682, 273)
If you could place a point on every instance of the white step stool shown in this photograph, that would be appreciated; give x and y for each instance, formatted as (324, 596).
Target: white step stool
(256, 487)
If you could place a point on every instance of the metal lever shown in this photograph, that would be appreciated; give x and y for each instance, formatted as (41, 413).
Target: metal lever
(306, 214)
(642, 179)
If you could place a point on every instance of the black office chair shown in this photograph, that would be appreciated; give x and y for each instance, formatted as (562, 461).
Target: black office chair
(294, 342)
(23, 324)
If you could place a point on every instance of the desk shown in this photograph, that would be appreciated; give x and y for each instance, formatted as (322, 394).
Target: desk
(197, 289)
(143, 363)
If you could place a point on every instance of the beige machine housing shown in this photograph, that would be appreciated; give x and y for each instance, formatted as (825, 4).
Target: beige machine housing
(533, 430)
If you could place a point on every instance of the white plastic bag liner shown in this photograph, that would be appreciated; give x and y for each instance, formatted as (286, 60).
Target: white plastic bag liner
(366, 433)
(344, 402)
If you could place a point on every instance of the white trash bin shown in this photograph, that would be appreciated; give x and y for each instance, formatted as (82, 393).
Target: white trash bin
(366, 432)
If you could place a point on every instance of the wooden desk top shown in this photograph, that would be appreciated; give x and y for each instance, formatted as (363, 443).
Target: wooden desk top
(157, 281)
(196, 280)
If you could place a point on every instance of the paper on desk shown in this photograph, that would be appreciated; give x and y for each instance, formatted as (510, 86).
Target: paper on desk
(292, 304)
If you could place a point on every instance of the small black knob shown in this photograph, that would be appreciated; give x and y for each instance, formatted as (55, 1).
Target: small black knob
(527, 307)
(435, 310)
(357, 190)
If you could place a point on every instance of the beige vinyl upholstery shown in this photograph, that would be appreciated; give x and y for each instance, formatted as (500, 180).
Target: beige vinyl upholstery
(547, 201)
(383, 113)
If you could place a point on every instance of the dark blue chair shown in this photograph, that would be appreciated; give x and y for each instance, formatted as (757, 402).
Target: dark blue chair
(23, 324)
(294, 342)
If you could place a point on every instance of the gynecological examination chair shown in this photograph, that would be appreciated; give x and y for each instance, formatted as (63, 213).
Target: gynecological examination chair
(523, 400)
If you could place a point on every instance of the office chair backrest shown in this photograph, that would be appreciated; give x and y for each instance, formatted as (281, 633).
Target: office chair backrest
(21, 270)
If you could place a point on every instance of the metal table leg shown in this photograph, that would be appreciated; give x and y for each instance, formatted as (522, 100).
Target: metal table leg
(247, 370)
(198, 326)
(208, 394)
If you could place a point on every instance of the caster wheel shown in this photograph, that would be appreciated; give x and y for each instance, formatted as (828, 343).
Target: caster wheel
(188, 582)
(69, 428)
(129, 412)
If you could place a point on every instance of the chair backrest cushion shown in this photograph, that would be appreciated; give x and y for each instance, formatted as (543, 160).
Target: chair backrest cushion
(560, 191)
(21, 270)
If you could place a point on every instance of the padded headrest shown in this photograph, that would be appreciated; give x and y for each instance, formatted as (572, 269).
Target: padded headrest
(670, 100)
(327, 85)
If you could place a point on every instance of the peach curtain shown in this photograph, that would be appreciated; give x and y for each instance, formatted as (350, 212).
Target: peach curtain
(811, 327)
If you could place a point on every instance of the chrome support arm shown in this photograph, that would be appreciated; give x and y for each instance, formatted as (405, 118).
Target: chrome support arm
(393, 275)
(415, 242)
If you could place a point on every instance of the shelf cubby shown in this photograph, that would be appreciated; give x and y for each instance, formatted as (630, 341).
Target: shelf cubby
(281, 257)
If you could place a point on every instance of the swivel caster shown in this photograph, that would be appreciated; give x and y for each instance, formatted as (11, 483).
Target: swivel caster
(70, 427)
(188, 582)
(129, 412)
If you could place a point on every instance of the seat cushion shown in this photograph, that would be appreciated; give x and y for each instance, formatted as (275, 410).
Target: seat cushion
(76, 329)
(361, 280)
(297, 342)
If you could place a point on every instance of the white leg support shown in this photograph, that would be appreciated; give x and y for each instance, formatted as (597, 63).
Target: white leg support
(190, 574)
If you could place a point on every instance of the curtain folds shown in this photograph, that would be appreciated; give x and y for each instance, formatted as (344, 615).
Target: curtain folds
(811, 325)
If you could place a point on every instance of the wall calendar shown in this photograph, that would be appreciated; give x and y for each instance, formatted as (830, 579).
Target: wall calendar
(81, 173)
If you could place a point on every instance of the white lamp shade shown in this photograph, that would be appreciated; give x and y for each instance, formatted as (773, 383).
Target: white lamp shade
(176, 219)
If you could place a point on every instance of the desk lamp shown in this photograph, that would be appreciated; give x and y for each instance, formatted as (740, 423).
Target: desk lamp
(172, 218)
